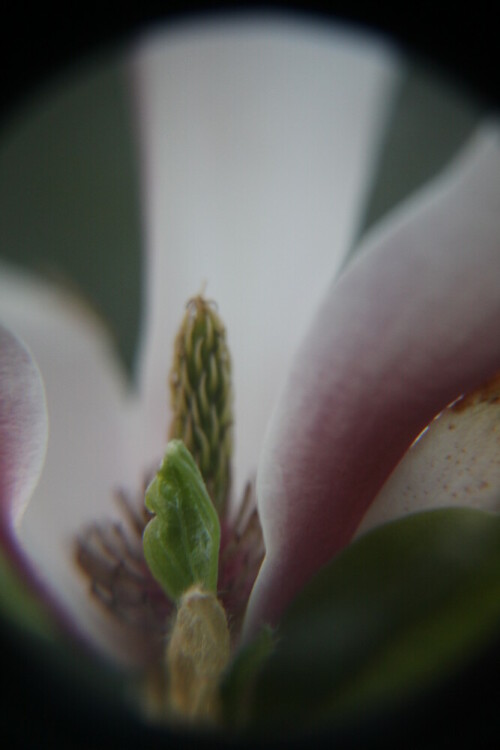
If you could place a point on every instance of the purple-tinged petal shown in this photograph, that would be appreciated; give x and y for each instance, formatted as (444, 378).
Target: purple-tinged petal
(23, 429)
(23, 442)
(94, 445)
(411, 324)
(258, 143)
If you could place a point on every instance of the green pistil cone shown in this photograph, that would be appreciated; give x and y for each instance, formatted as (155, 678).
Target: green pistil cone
(201, 397)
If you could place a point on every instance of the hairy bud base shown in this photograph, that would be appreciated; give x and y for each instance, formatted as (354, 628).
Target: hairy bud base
(197, 654)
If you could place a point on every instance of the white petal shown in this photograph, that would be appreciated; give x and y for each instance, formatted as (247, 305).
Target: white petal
(91, 448)
(258, 143)
(411, 324)
(455, 462)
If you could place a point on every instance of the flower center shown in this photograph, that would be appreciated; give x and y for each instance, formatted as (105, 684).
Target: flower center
(111, 554)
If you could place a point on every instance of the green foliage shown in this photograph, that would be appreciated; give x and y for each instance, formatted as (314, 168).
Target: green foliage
(70, 193)
(181, 543)
(20, 606)
(416, 145)
(240, 677)
(400, 610)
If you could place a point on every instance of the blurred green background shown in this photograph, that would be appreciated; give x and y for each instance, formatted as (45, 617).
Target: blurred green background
(69, 192)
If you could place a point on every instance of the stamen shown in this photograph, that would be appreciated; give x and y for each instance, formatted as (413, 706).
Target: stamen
(110, 556)
(194, 553)
(242, 553)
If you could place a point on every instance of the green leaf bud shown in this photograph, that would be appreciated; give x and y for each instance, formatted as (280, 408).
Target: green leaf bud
(181, 543)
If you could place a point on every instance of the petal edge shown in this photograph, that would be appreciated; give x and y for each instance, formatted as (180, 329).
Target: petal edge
(406, 329)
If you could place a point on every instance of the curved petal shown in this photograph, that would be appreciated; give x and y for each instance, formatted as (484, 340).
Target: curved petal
(258, 143)
(23, 443)
(455, 462)
(93, 446)
(410, 325)
(23, 428)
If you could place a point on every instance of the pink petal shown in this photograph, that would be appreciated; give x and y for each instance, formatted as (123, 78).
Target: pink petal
(23, 428)
(410, 325)
(23, 442)
(258, 142)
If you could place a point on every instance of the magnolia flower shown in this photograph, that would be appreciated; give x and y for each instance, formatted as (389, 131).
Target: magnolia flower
(402, 332)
